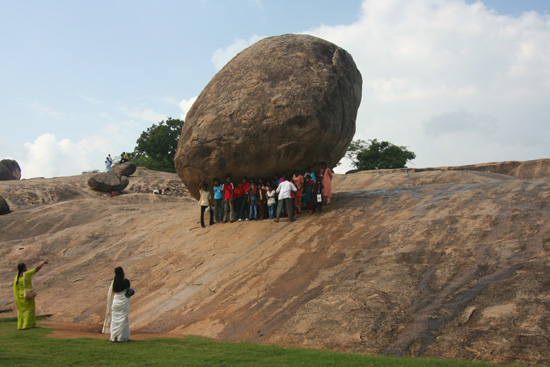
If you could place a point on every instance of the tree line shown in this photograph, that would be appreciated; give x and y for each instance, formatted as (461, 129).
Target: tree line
(156, 148)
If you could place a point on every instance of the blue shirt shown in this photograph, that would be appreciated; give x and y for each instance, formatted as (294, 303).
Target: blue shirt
(218, 192)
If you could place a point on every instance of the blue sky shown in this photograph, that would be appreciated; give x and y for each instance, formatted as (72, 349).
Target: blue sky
(457, 82)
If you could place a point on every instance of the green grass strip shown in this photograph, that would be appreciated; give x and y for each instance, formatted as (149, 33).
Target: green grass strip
(31, 348)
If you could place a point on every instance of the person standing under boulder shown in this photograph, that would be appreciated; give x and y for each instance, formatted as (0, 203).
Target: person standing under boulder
(218, 200)
(311, 174)
(238, 193)
(243, 205)
(253, 203)
(308, 190)
(326, 173)
(262, 199)
(284, 190)
(317, 199)
(271, 200)
(205, 203)
(298, 181)
(228, 192)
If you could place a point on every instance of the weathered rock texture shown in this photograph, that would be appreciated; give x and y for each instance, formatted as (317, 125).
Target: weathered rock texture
(4, 207)
(451, 264)
(9, 170)
(538, 168)
(108, 182)
(124, 169)
(286, 102)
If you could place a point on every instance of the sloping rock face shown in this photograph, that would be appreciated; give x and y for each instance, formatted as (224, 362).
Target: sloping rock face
(441, 263)
(9, 170)
(538, 168)
(108, 182)
(284, 103)
(124, 169)
(4, 207)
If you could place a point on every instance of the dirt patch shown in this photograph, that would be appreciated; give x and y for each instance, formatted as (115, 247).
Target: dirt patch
(63, 330)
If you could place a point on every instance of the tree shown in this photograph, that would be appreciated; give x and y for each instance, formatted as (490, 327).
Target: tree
(156, 147)
(378, 155)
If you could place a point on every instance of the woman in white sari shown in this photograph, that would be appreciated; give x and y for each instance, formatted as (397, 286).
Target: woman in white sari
(118, 305)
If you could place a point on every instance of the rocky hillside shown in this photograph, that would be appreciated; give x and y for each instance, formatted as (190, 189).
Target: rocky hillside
(448, 263)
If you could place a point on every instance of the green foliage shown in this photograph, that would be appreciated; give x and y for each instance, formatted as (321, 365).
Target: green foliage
(156, 147)
(32, 348)
(378, 155)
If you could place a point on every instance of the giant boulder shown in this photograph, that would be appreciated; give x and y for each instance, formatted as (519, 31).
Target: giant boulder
(124, 169)
(9, 170)
(108, 182)
(284, 103)
(4, 207)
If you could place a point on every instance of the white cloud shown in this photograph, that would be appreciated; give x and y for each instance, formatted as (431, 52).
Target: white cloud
(456, 83)
(48, 157)
(185, 106)
(221, 56)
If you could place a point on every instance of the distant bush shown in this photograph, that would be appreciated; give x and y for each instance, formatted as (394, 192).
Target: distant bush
(156, 147)
(374, 155)
(91, 171)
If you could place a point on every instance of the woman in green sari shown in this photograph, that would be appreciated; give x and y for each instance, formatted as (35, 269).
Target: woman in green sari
(26, 316)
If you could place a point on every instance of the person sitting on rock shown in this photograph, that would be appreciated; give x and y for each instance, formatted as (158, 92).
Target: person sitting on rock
(124, 157)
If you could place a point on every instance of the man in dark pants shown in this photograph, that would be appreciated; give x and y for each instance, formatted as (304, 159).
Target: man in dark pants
(284, 190)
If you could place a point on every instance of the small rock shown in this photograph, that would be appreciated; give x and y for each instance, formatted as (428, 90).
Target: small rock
(9, 170)
(4, 207)
(108, 182)
(124, 169)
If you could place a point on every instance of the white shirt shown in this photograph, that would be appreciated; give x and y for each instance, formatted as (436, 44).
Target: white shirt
(284, 189)
(205, 198)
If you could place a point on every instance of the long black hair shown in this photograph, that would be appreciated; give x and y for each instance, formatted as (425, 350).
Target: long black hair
(119, 278)
(20, 269)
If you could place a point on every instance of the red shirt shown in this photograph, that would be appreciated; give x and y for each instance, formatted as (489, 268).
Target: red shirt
(245, 187)
(239, 192)
(227, 188)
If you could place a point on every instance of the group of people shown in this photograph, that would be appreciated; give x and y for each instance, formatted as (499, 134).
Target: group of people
(286, 194)
(118, 302)
(109, 160)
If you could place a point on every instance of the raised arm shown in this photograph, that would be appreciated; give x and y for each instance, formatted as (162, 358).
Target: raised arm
(41, 265)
